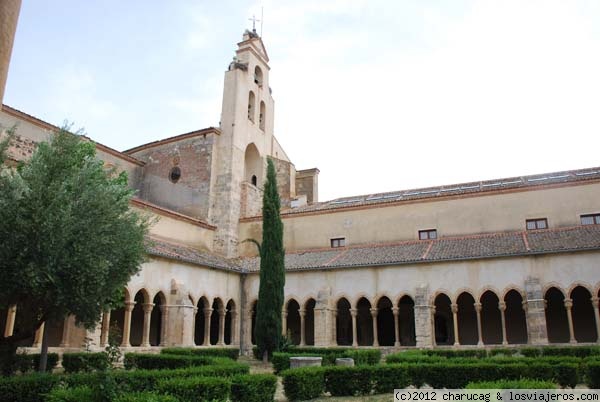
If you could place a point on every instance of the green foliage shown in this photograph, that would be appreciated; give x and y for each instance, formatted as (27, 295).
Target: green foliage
(253, 388)
(195, 389)
(76, 362)
(281, 361)
(272, 270)
(70, 242)
(25, 363)
(77, 394)
(592, 374)
(523, 383)
(362, 357)
(304, 383)
(145, 397)
(349, 381)
(164, 361)
(112, 349)
(232, 353)
(27, 388)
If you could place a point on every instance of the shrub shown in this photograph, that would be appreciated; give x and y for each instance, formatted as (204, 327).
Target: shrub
(232, 353)
(387, 378)
(348, 381)
(78, 394)
(479, 353)
(592, 374)
(145, 397)
(85, 361)
(304, 383)
(514, 384)
(281, 361)
(27, 388)
(503, 352)
(253, 388)
(26, 363)
(196, 388)
(164, 361)
(361, 357)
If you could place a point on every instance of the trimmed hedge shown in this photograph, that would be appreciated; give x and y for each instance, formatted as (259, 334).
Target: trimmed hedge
(150, 361)
(27, 388)
(304, 383)
(517, 384)
(78, 394)
(195, 389)
(281, 361)
(85, 361)
(232, 353)
(253, 388)
(27, 363)
(145, 397)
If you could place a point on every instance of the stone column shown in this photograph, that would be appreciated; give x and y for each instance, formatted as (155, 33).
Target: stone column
(454, 308)
(221, 337)
(233, 337)
(164, 316)
(64, 343)
(396, 312)
(127, 323)
(334, 328)
(194, 327)
(207, 315)
(105, 329)
(39, 334)
(479, 332)
(374, 313)
(10, 320)
(536, 315)
(354, 313)
(284, 315)
(502, 307)
(568, 306)
(248, 328)
(424, 318)
(432, 326)
(148, 307)
(9, 15)
(595, 303)
(302, 326)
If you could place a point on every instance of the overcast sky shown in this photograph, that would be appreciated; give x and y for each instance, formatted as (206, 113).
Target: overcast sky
(380, 95)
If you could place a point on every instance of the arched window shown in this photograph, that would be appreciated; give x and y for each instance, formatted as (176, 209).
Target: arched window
(254, 180)
(258, 76)
(262, 116)
(251, 106)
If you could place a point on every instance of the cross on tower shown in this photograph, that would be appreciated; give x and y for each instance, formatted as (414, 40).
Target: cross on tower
(254, 21)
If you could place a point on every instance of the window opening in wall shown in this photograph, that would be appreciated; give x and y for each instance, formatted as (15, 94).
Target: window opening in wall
(175, 174)
(538, 223)
(251, 102)
(428, 234)
(261, 118)
(590, 219)
(258, 76)
(338, 242)
(254, 180)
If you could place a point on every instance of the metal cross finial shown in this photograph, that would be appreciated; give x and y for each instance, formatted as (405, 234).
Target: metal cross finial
(254, 21)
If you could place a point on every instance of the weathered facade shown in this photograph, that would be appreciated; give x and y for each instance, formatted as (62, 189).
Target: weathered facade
(499, 262)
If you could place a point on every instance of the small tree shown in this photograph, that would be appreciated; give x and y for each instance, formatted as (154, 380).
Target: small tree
(70, 242)
(272, 271)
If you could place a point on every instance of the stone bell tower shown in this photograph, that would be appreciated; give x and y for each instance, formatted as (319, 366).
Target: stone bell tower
(9, 15)
(246, 140)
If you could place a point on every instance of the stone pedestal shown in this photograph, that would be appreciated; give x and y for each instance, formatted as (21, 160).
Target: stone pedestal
(344, 361)
(423, 318)
(535, 312)
(305, 361)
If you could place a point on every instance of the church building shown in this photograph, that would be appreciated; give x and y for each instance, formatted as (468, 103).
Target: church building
(507, 261)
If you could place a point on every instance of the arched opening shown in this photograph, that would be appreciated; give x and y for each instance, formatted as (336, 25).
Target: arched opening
(253, 322)
(262, 116)
(343, 324)
(293, 321)
(117, 321)
(137, 318)
(200, 321)
(467, 320)
(386, 333)
(3, 321)
(229, 322)
(584, 322)
(156, 319)
(491, 319)
(217, 307)
(253, 165)
(556, 316)
(309, 322)
(514, 317)
(443, 321)
(364, 323)
(406, 320)
(258, 76)
(251, 106)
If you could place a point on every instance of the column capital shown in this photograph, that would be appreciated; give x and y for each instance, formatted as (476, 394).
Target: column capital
(222, 311)
(524, 305)
(302, 312)
(148, 307)
(353, 312)
(595, 301)
(129, 306)
(207, 311)
(477, 306)
(502, 306)
(374, 312)
(395, 310)
(454, 308)
(568, 303)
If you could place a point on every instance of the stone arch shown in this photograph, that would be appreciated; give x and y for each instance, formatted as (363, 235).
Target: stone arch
(309, 321)
(200, 324)
(360, 296)
(364, 322)
(251, 106)
(156, 319)
(406, 320)
(293, 320)
(141, 298)
(583, 314)
(515, 318)
(438, 293)
(386, 332)
(258, 76)
(513, 288)
(343, 323)
(491, 318)
(556, 316)
(253, 165)
(485, 290)
(467, 319)
(262, 116)
(443, 320)
(217, 306)
(229, 322)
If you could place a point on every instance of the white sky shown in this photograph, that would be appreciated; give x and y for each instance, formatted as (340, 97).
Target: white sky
(379, 95)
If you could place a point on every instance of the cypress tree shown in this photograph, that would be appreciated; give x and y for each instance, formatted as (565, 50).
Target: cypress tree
(272, 271)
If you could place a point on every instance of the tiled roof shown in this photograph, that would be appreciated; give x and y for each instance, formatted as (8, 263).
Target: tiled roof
(161, 248)
(478, 187)
(491, 245)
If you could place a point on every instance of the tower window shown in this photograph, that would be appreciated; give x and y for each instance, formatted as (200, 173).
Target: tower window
(591, 219)
(262, 116)
(538, 223)
(175, 174)
(428, 234)
(258, 76)
(254, 180)
(251, 106)
(338, 242)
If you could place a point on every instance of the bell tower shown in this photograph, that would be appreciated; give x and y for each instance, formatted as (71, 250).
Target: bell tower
(246, 140)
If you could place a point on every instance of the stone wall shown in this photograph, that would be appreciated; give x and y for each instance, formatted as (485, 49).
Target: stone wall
(282, 168)
(307, 183)
(251, 200)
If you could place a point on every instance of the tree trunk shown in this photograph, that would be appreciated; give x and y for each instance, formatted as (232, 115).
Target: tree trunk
(44, 352)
